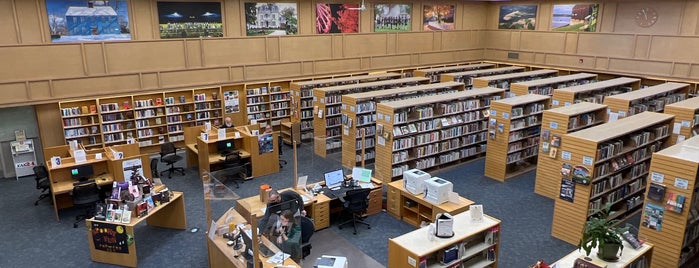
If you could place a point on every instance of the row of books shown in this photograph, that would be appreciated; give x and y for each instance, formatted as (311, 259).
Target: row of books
(112, 107)
(307, 114)
(149, 102)
(202, 96)
(174, 128)
(171, 100)
(76, 132)
(428, 137)
(114, 117)
(609, 149)
(72, 122)
(112, 127)
(524, 122)
(421, 126)
(332, 110)
(608, 183)
(370, 143)
(275, 89)
(368, 131)
(333, 99)
(257, 108)
(461, 106)
(430, 149)
(306, 125)
(280, 113)
(256, 91)
(149, 113)
(597, 95)
(364, 107)
(522, 155)
(255, 100)
(465, 129)
(333, 121)
(114, 137)
(521, 134)
(207, 105)
(400, 117)
(176, 109)
(368, 155)
(258, 116)
(525, 143)
(306, 92)
(280, 105)
(404, 143)
(307, 103)
(332, 132)
(74, 111)
(366, 119)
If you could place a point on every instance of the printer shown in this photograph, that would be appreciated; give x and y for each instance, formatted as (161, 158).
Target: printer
(437, 190)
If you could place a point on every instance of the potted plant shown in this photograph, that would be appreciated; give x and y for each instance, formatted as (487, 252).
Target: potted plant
(602, 233)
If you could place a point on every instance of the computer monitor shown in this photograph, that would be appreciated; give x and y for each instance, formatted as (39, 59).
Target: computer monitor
(82, 172)
(225, 146)
(292, 205)
(333, 179)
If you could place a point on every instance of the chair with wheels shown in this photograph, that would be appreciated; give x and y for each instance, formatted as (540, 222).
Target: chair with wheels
(42, 182)
(280, 143)
(234, 168)
(168, 155)
(85, 195)
(356, 204)
(307, 230)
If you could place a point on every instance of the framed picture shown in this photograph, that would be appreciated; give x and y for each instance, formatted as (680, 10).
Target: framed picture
(189, 19)
(337, 18)
(271, 19)
(81, 21)
(438, 17)
(575, 17)
(518, 17)
(392, 17)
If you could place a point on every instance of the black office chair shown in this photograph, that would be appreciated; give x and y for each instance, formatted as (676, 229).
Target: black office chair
(234, 168)
(154, 168)
(42, 182)
(282, 162)
(168, 155)
(307, 230)
(356, 204)
(85, 195)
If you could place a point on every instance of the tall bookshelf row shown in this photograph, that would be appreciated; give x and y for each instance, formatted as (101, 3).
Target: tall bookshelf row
(431, 132)
(303, 94)
(593, 92)
(686, 114)
(513, 135)
(359, 118)
(327, 121)
(670, 217)
(505, 80)
(557, 122)
(547, 85)
(468, 76)
(608, 163)
(266, 103)
(651, 99)
(434, 73)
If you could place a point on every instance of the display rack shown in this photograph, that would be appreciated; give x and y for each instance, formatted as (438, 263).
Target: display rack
(593, 92)
(23, 157)
(505, 80)
(468, 76)
(327, 121)
(431, 132)
(651, 99)
(513, 135)
(613, 159)
(686, 113)
(675, 169)
(557, 122)
(547, 85)
(434, 73)
(359, 118)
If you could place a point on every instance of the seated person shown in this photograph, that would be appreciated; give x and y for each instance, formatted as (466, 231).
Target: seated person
(267, 223)
(287, 235)
(227, 123)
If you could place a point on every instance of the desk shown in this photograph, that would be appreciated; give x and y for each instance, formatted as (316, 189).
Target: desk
(168, 215)
(62, 182)
(414, 209)
(628, 257)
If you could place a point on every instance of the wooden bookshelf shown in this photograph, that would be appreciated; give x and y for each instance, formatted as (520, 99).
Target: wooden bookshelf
(593, 92)
(303, 92)
(468, 76)
(557, 122)
(150, 120)
(431, 132)
(280, 103)
(116, 111)
(179, 113)
(547, 85)
(614, 159)
(359, 116)
(327, 122)
(505, 80)
(81, 122)
(629, 257)
(651, 99)
(513, 135)
(676, 241)
(290, 133)
(434, 73)
(686, 113)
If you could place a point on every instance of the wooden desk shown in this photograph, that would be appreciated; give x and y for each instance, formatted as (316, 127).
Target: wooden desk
(62, 181)
(168, 215)
(419, 210)
(628, 256)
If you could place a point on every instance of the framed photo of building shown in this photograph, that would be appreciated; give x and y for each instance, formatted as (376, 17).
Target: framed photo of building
(189, 19)
(438, 17)
(392, 17)
(271, 19)
(518, 17)
(337, 18)
(82, 21)
(575, 17)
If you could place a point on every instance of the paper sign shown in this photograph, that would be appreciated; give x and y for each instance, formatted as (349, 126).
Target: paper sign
(207, 126)
(680, 138)
(587, 160)
(686, 123)
(613, 117)
(554, 102)
(505, 115)
(361, 174)
(80, 156)
(236, 134)
(566, 104)
(301, 183)
(622, 113)
(55, 161)
(553, 125)
(681, 183)
(565, 155)
(205, 136)
(320, 113)
(657, 177)
(221, 133)
(676, 128)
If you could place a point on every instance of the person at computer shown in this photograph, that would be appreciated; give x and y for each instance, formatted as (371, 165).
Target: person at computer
(227, 123)
(270, 220)
(288, 235)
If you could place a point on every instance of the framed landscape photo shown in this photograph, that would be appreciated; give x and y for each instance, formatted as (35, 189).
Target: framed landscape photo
(575, 17)
(189, 19)
(271, 19)
(438, 17)
(81, 21)
(517, 17)
(392, 17)
(337, 18)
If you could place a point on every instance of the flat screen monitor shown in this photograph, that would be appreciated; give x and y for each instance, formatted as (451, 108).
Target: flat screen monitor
(333, 179)
(225, 146)
(287, 205)
(82, 172)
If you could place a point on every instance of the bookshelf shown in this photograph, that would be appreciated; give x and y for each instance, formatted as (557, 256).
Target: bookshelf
(468, 76)
(675, 167)
(474, 244)
(327, 122)
(179, 113)
(303, 92)
(434, 73)
(207, 106)
(513, 129)
(505, 80)
(629, 257)
(257, 103)
(116, 115)
(280, 103)
(651, 99)
(686, 113)
(81, 122)
(614, 159)
(150, 120)
(557, 122)
(290, 133)
(547, 85)
(593, 92)
(431, 132)
(359, 114)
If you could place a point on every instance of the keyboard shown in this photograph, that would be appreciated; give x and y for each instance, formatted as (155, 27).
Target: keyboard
(331, 195)
(265, 251)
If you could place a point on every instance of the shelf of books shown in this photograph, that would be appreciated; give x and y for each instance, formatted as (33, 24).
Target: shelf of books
(513, 135)
(670, 218)
(179, 113)
(651, 99)
(81, 122)
(257, 103)
(555, 123)
(547, 85)
(116, 116)
(686, 114)
(279, 103)
(505, 80)
(327, 122)
(475, 243)
(150, 120)
(359, 116)
(604, 164)
(593, 92)
(303, 91)
(431, 132)
(434, 73)
(468, 76)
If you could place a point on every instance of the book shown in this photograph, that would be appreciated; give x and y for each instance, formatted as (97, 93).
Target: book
(149, 202)
(126, 216)
(93, 109)
(656, 192)
(142, 209)
(117, 214)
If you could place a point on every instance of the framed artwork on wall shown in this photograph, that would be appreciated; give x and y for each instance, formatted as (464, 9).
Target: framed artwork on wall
(84, 21)
(517, 17)
(392, 17)
(337, 18)
(438, 17)
(271, 19)
(189, 19)
(575, 17)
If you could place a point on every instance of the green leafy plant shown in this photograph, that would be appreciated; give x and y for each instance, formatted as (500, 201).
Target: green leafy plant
(600, 230)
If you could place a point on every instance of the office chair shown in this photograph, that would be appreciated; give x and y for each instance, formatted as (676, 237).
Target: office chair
(234, 168)
(86, 195)
(282, 162)
(356, 203)
(307, 230)
(42, 183)
(168, 155)
(154, 168)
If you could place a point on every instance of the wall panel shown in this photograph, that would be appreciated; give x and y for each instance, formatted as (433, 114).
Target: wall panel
(414, 42)
(364, 45)
(238, 51)
(641, 48)
(600, 45)
(36, 62)
(674, 48)
(95, 86)
(194, 77)
(8, 31)
(271, 72)
(128, 57)
(668, 17)
(94, 59)
(39, 90)
(553, 42)
(337, 66)
(193, 54)
(453, 40)
(150, 81)
(498, 39)
(641, 67)
(472, 15)
(30, 20)
(681, 69)
(571, 42)
(13, 92)
(388, 62)
(306, 48)
(143, 20)
(273, 49)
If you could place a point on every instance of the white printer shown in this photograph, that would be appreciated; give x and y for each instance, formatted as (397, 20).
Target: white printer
(413, 181)
(437, 190)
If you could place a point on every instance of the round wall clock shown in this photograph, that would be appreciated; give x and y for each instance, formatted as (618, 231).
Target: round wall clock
(646, 17)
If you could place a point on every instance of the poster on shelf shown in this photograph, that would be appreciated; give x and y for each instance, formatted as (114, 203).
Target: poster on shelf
(110, 237)
(231, 102)
(132, 168)
(567, 191)
(653, 216)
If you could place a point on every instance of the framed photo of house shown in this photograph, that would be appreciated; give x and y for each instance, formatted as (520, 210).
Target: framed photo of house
(84, 21)
(271, 19)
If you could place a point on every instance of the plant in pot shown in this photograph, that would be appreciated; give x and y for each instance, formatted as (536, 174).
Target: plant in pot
(601, 232)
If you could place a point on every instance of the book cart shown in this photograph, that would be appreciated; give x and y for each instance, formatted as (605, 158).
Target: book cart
(359, 118)
(431, 132)
(605, 164)
(593, 92)
(686, 114)
(513, 135)
(505, 80)
(327, 121)
(468, 76)
(547, 85)
(652, 99)
(434, 73)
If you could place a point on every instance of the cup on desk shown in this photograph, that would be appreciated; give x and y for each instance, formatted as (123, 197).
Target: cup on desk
(98, 156)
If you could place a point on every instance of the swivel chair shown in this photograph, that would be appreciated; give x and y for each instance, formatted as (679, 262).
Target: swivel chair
(168, 155)
(42, 183)
(307, 230)
(282, 162)
(234, 169)
(356, 204)
(86, 195)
